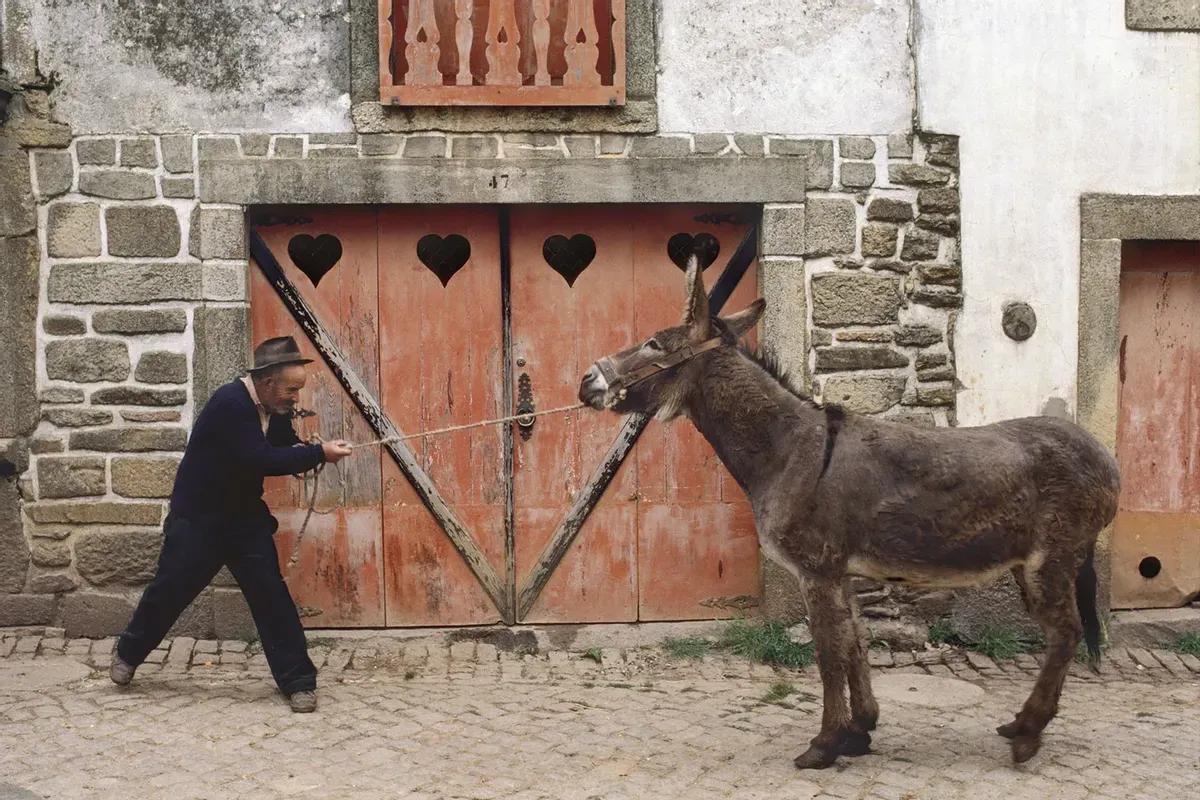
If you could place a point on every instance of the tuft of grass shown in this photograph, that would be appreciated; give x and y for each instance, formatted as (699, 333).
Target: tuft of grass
(687, 647)
(778, 693)
(766, 642)
(996, 643)
(942, 632)
(593, 653)
(1188, 644)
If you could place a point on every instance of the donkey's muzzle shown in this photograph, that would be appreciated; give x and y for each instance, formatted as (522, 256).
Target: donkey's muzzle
(593, 388)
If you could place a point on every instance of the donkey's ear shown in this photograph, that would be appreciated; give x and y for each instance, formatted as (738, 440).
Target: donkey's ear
(745, 319)
(695, 314)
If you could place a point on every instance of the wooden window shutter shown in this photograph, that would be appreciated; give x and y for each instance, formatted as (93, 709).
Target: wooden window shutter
(502, 52)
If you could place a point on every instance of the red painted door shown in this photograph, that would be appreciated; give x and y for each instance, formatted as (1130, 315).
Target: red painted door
(420, 301)
(673, 537)
(1156, 536)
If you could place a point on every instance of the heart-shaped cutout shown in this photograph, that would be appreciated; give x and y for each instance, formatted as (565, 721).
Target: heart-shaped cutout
(681, 246)
(315, 256)
(444, 257)
(569, 257)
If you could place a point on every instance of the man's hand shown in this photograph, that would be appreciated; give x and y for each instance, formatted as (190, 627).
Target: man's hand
(336, 450)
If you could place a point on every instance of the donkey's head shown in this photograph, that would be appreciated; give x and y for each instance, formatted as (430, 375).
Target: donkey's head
(658, 375)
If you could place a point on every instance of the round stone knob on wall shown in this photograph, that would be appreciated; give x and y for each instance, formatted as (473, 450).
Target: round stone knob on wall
(1019, 321)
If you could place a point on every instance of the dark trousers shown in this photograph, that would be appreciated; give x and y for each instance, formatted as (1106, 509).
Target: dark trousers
(192, 554)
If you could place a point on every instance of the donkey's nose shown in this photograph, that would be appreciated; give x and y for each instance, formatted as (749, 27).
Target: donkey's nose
(592, 388)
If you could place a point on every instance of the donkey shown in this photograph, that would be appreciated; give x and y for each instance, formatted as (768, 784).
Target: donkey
(836, 494)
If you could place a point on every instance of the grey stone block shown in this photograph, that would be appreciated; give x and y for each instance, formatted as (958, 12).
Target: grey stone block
(474, 147)
(749, 144)
(255, 144)
(920, 245)
(196, 621)
(144, 231)
(42, 445)
(863, 394)
(162, 367)
(135, 321)
(1162, 15)
(95, 513)
(844, 359)
(14, 549)
(47, 553)
(231, 615)
(61, 394)
(139, 152)
(76, 417)
(54, 171)
(344, 138)
(783, 230)
(581, 146)
(1140, 217)
(138, 396)
(917, 175)
(87, 360)
(73, 230)
(333, 152)
(941, 149)
(937, 296)
(26, 609)
(94, 616)
(177, 153)
(17, 215)
(288, 147)
(178, 187)
(900, 145)
(612, 144)
(660, 146)
(118, 185)
(879, 240)
(425, 147)
(123, 283)
(221, 349)
(212, 148)
(129, 440)
(857, 175)
(946, 224)
(71, 476)
(53, 583)
(221, 234)
(856, 147)
(855, 299)
(64, 325)
(381, 144)
(140, 415)
(96, 152)
(127, 557)
(144, 477)
(889, 210)
(942, 200)
(830, 226)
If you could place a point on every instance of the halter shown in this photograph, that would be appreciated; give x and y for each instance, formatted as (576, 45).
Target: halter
(673, 359)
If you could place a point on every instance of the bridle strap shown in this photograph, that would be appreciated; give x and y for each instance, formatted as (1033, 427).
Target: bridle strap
(672, 359)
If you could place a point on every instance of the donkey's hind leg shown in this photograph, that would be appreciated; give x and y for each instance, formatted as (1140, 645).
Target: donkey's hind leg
(1050, 588)
(864, 711)
(833, 633)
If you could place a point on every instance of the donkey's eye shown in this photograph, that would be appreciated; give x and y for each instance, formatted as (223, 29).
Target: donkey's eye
(652, 344)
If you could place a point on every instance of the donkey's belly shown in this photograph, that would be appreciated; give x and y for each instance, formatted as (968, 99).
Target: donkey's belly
(925, 576)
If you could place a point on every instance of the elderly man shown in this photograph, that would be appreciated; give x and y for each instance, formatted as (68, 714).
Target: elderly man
(218, 518)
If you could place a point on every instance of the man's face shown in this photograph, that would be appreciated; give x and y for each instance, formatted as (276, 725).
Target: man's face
(280, 393)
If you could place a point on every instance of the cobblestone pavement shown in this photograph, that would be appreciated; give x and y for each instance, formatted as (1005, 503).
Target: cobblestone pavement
(469, 721)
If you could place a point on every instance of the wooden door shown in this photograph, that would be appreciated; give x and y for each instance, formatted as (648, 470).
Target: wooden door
(438, 316)
(672, 537)
(440, 347)
(337, 579)
(1156, 536)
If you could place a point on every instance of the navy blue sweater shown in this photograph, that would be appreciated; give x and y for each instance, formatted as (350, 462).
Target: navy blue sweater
(227, 456)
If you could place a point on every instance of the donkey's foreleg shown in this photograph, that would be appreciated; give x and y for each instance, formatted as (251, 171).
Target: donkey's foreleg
(864, 711)
(832, 629)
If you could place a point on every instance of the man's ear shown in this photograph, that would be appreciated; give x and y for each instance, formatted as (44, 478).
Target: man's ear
(745, 319)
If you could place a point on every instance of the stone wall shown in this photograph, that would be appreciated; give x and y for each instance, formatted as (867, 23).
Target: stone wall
(143, 311)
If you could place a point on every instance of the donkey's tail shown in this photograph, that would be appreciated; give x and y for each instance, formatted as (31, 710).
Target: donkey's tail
(1085, 600)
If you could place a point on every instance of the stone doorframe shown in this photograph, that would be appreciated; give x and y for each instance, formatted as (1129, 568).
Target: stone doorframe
(1106, 220)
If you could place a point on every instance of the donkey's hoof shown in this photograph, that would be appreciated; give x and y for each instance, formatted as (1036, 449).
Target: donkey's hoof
(855, 744)
(867, 721)
(815, 758)
(1025, 747)
(1010, 730)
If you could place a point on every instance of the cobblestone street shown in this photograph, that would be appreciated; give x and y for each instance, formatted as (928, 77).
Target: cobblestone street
(470, 721)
